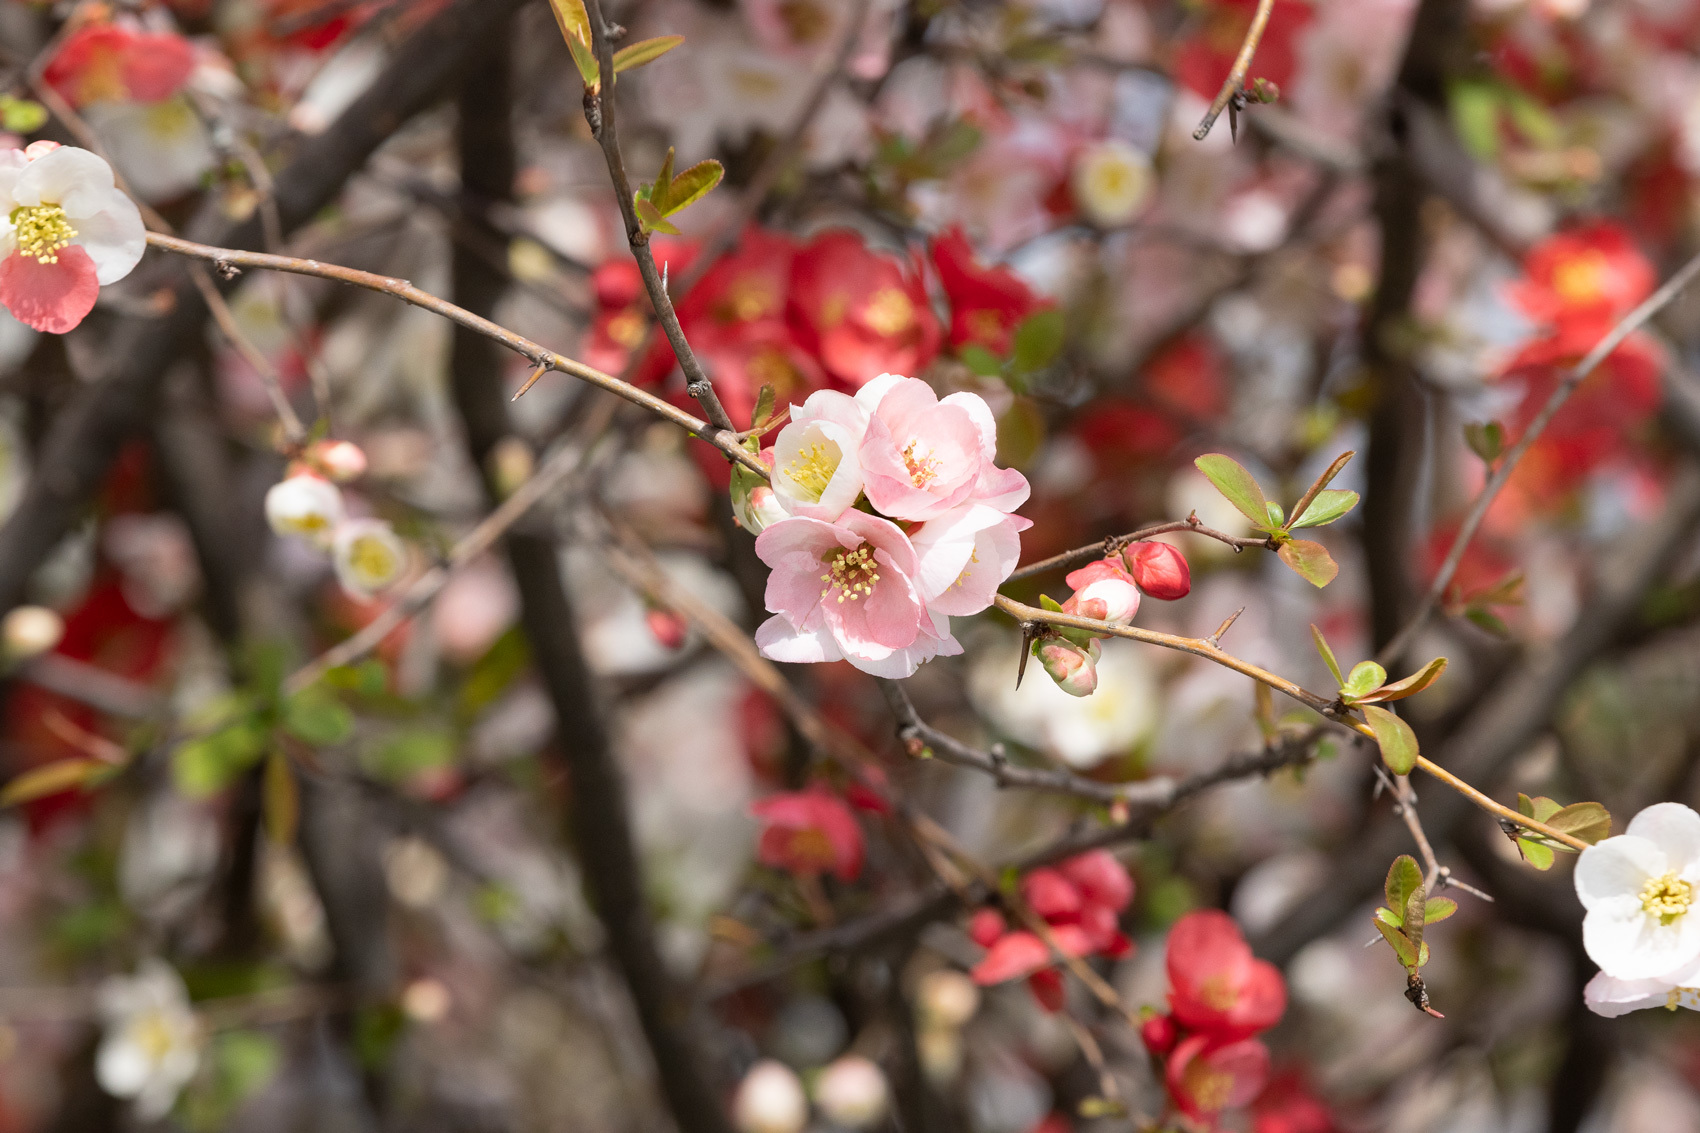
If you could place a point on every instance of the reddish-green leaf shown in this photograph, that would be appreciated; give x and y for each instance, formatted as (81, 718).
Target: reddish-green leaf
(1237, 485)
(693, 184)
(1310, 561)
(1398, 742)
(1404, 877)
(570, 17)
(652, 219)
(1410, 686)
(644, 51)
(1403, 948)
(1327, 656)
(1590, 822)
(1438, 909)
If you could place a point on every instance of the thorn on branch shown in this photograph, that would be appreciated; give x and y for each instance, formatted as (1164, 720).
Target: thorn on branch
(226, 269)
(1215, 639)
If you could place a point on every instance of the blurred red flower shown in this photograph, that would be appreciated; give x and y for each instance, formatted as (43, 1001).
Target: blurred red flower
(1287, 1105)
(115, 63)
(1593, 273)
(986, 304)
(860, 313)
(1206, 1075)
(1203, 60)
(1216, 985)
(809, 833)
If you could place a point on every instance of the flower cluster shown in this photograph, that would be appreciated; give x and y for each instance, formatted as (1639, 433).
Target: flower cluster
(1081, 900)
(307, 504)
(1220, 997)
(1639, 891)
(877, 587)
(68, 232)
(1108, 590)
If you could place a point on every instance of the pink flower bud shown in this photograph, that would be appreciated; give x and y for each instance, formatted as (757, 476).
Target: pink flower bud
(1104, 591)
(1160, 1034)
(668, 627)
(1051, 895)
(39, 149)
(1159, 569)
(339, 461)
(1073, 670)
(985, 926)
(753, 500)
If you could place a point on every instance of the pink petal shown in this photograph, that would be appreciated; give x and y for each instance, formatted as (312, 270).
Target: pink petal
(49, 297)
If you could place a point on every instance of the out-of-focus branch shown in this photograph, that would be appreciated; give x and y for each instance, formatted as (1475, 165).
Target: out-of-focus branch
(1236, 75)
(1602, 350)
(599, 110)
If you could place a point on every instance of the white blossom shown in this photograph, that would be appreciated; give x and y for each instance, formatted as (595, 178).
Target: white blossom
(369, 556)
(151, 1046)
(1639, 891)
(307, 506)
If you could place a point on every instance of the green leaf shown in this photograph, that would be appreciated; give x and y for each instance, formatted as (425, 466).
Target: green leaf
(652, 219)
(1404, 877)
(980, 360)
(1276, 515)
(1416, 923)
(1330, 504)
(493, 673)
(645, 51)
(1389, 917)
(1310, 561)
(1327, 655)
(694, 184)
(22, 116)
(204, 767)
(1535, 121)
(1038, 340)
(280, 800)
(1540, 808)
(408, 753)
(1488, 620)
(1365, 678)
(52, 778)
(1486, 439)
(1410, 686)
(570, 17)
(763, 412)
(1438, 909)
(1046, 602)
(1398, 742)
(1237, 485)
(1590, 822)
(1404, 949)
(315, 717)
(1475, 108)
(1537, 854)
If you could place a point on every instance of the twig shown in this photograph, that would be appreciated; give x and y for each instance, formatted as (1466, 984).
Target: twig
(1236, 76)
(604, 126)
(1115, 543)
(1631, 322)
(408, 293)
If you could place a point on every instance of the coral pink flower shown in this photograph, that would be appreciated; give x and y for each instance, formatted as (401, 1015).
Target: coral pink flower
(985, 926)
(1206, 1075)
(862, 314)
(117, 63)
(1593, 273)
(1159, 570)
(1104, 591)
(809, 833)
(1216, 985)
(922, 456)
(965, 555)
(1017, 954)
(69, 232)
(1101, 879)
(986, 304)
(847, 591)
(817, 469)
(1051, 895)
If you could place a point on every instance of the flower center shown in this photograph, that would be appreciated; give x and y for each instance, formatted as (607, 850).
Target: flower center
(851, 573)
(372, 558)
(1210, 1088)
(889, 312)
(152, 1033)
(1667, 897)
(1581, 278)
(42, 230)
(923, 467)
(812, 468)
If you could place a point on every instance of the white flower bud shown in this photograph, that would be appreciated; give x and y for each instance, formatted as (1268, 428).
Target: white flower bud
(306, 506)
(770, 1099)
(369, 556)
(30, 630)
(342, 461)
(947, 998)
(852, 1092)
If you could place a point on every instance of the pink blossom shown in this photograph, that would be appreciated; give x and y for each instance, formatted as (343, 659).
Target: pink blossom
(965, 555)
(809, 832)
(1103, 591)
(817, 471)
(922, 456)
(847, 591)
(69, 232)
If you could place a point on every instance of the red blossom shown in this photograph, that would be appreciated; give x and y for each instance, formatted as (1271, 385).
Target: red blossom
(809, 833)
(860, 313)
(1287, 1105)
(1159, 1034)
(985, 926)
(1206, 1075)
(1159, 569)
(1593, 273)
(114, 63)
(1216, 985)
(986, 304)
(1051, 895)
(1101, 879)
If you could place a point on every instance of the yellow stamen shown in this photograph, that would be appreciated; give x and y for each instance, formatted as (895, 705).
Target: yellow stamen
(812, 468)
(1667, 897)
(922, 468)
(889, 312)
(42, 230)
(851, 573)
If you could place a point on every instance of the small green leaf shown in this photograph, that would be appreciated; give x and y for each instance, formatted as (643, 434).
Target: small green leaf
(1038, 340)
(1488, 620)
(1404, 877)
(570, 17)
(1537, 854)
(1398, 742)
(408, 753)
(1365, 678)
(1438, 909)
(1475, 107)
(1329, 505)
(1540, 808)
(1046, 602)
(1410, 686)
(660, 194)
(1389, 917)
(1590, 822)
(313, 716)
(1237, 485)
(1310, 561)
(1404, 949)
(652, 219)
(1486, 439)
(764, 407)
(1276, 515)
(22, 116)
(1416, 923)
(1327, 655)
(980, 360)
(206, 766)
(645, 51)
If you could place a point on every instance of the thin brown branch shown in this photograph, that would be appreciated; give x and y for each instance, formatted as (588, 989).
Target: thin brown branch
(1232, 85)
(226, 259)
(1116, 542)
(1602, 350)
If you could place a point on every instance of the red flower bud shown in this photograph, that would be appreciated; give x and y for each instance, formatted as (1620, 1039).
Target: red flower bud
(1160, 1034)
(1159, 569)
(668, 627)
(985, 926)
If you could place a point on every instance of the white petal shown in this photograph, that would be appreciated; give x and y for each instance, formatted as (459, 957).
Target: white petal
(1629, 944)
(1617, 867)
(871, 394)
(114, 238)
(120, 1066)
(779, 642)
(981, 414)
(75, 179)
(1673, 828)
(1612, 997)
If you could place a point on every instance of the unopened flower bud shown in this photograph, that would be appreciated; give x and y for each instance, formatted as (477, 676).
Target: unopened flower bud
(306, 506)
(946, 998)
(30, 630)
(339, 461)
(852, 1092)
(1104, 591)
(1159, 1034)
(1159, 569)
(39, 149)
(669, 628)
(1262, 90)
(986, 926)
(770, 1099)
(753, 500)
(1072, 669)
(369, 557)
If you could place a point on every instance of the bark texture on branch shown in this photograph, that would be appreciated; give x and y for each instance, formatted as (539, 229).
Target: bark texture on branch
(78, 449)
(600, 826)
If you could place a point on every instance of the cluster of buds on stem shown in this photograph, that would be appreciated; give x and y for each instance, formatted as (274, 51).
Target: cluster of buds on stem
(1108, 590)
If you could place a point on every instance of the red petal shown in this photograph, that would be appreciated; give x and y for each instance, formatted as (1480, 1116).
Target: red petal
(49, 297)
(1052, 895)
(1015, 955)
(1101, 879)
